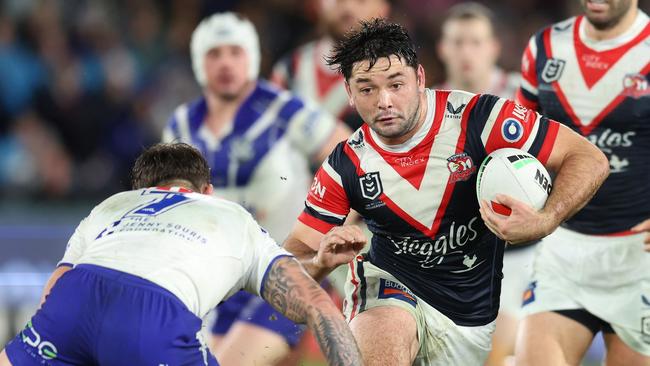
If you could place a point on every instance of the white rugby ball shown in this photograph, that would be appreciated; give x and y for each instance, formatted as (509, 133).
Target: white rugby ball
(515, 173)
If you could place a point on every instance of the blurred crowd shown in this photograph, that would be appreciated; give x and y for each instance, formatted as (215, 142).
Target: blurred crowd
(86, 84)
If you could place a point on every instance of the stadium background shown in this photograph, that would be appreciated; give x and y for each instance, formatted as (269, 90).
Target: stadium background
(85, 84)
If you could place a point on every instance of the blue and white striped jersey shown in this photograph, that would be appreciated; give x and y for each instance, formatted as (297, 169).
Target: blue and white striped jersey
(262, 160)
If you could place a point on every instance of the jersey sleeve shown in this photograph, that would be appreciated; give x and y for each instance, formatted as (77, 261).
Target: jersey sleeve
(327, 204)
(76, 245)
(502, 123)
(310, 128)
(527, 94)
(263, 252)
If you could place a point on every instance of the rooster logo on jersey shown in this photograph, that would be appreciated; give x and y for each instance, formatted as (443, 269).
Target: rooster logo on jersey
(461, 167)
(635, 86)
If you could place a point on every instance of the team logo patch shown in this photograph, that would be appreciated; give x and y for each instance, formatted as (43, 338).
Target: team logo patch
(393, 290)
(529, 294)
(371, 186)
(512, 130)
(635, 86)
(552, 70)
(461, 166)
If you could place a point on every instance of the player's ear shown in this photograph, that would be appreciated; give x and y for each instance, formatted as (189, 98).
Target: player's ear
(419, 75)
(207, 189)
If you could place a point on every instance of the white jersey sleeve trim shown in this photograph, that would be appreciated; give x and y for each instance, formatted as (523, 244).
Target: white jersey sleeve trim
(533, 134)
(332, 173)
(324, 212)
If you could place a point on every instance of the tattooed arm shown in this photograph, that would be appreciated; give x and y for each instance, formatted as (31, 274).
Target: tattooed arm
(296, 295)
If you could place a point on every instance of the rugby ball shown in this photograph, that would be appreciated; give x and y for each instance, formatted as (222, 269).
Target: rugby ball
(515, 173)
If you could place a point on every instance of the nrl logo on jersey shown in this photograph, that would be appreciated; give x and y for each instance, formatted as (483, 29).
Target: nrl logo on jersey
(552, 70)
(371, 186)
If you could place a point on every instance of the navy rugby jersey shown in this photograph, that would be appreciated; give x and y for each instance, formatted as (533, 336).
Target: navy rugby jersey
(600, 90)
(418, 199)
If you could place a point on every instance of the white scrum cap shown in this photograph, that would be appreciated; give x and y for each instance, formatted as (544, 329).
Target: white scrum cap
(224, 29)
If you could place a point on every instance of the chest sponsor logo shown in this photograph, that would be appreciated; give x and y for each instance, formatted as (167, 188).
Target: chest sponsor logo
(431, 253)
(461, 166)
(371, 186)
(594, 62)
(409, 161)
(552, 70)
(635, 86)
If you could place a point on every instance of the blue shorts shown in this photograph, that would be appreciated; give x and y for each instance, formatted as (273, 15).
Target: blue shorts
(98, 316)
(251, 309)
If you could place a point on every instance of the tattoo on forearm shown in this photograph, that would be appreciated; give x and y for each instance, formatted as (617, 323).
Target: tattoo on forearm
(292, 292)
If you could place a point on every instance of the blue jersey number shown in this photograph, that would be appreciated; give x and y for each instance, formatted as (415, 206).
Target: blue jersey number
(165, 202)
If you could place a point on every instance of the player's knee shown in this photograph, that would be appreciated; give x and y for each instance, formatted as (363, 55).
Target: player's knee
(386, 335)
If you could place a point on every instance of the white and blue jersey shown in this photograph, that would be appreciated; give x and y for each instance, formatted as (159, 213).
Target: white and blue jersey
(261, 161)
(147, 265)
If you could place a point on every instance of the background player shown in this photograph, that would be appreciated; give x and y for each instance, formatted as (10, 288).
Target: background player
(427, 292)
(259, 142)
(305, 72)
(469, 50)
(140, 270)
(591, 275)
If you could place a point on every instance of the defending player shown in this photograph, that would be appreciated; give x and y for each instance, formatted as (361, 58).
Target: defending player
(469, 49)
(305, 72)
(143, 268)
(427, 293)
(259, 142)
(592, 274)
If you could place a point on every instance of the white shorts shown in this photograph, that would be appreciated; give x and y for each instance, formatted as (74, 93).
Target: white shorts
(442, 342)
(609, 276)
(517, 269)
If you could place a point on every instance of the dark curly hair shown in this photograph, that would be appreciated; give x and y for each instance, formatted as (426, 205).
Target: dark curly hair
(374, 39)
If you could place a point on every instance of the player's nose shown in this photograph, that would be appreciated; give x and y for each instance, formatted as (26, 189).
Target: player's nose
(385, 100)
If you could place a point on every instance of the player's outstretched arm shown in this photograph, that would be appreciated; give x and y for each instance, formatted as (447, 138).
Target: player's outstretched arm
(321, 253)
(296, 295)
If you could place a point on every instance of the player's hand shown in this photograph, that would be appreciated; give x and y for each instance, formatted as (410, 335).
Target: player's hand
(339, 246)
(523, 225)
(644, 227)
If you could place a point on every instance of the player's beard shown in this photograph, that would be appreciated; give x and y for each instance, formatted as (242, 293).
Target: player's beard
(406, 127)
(617, 10)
